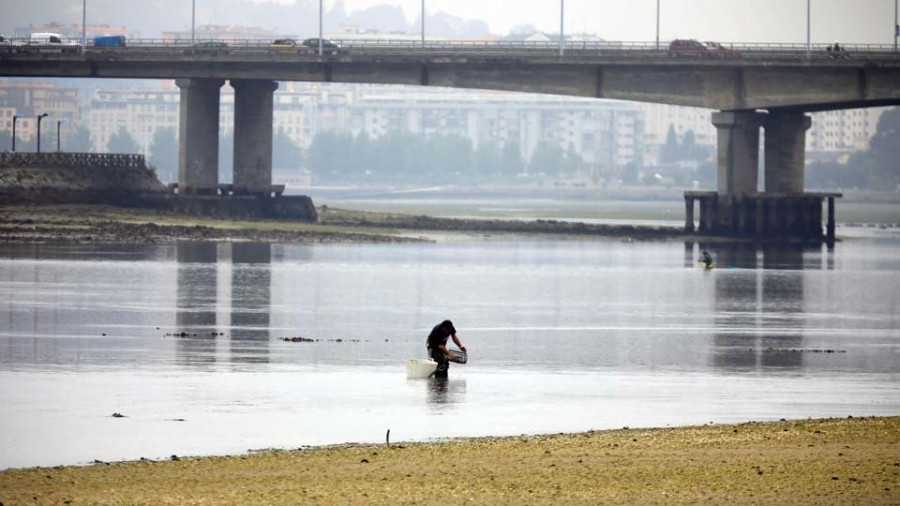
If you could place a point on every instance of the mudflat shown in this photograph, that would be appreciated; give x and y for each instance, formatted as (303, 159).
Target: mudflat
(833, 461)
(85, 223)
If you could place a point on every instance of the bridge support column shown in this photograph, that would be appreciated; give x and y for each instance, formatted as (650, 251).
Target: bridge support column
(198, 136)
(738, 161)
(253, 135)
(786, 152)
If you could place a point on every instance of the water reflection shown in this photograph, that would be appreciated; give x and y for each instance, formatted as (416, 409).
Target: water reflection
(782, 306)
(250, 301)
(442, 391)
(195, 318)
(759, 298)
(198, 328)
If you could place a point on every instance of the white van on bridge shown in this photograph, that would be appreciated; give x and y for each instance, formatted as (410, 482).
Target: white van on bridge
(53, 40)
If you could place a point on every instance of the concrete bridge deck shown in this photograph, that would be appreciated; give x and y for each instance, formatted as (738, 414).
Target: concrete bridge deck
(746, 77)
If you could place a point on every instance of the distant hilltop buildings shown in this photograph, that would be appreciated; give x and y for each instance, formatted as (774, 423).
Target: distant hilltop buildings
(224, 32)
(73, 31)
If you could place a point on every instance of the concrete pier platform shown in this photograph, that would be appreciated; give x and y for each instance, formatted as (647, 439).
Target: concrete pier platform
(293, 207)
(763, 216)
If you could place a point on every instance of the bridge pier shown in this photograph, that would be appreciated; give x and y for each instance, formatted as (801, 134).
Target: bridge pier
(198, 136)
(253, 103)
(785, 152)
(784, 211)
(738, 162)
(738, 151)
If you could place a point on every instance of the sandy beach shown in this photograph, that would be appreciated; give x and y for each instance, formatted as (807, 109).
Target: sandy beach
(834, 461)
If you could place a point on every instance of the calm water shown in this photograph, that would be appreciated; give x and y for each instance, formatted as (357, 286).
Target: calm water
(562, 336)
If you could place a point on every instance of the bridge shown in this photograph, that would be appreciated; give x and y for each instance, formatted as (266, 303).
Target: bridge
(752, 86)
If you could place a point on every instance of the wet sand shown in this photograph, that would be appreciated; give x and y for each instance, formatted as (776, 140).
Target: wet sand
(73, 223)
(835, 461)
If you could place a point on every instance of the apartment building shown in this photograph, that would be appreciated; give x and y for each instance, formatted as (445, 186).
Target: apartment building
(606, 134)
(140, 112)
(28, 99)
(837, 134)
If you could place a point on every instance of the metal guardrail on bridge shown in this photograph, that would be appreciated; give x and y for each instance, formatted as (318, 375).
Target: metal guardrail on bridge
(493, 49)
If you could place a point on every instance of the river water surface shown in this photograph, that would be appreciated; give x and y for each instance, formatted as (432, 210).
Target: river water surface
(185, 341)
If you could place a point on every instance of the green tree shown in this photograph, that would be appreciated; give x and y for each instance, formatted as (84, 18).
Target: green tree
(359, 157)
(122, 142)
(671, 150)
(79, 141)
(548, 158)
(164, 153)
(323, 154)
(486, 161)
(884, 152)
(631, 173)
(449, 158)
(511, 162)
(831, 175)
(285, 154)
(689, 146)
(572, 162)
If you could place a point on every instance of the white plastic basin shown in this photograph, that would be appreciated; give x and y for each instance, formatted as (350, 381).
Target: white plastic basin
(419, 368)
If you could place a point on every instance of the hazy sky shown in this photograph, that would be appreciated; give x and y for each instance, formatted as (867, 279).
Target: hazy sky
(863, 21)
(848, 21)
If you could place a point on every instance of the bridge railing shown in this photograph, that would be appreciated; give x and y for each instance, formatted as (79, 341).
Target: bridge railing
(492, 48)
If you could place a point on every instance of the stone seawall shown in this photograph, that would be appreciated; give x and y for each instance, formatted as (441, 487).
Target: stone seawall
(38, 178)
(125, 180)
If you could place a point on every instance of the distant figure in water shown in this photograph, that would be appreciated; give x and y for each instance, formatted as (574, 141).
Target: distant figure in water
(437, 346)
(707, 260)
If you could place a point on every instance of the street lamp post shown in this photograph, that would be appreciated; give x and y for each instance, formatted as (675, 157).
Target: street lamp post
(83, 24)
(193, 17)
(896, 26)
(808, 30)
(657, 25)
(320, 27)
(562, 28)
(423, 23)
(59, 122)
(15, 117)
(39, 118)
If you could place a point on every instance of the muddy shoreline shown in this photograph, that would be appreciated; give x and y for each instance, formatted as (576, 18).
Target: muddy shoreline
(72, 223)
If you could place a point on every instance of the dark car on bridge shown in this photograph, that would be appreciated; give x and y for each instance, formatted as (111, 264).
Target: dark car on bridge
(328, 47)
(210, 46)
(288, 46)
(693, 47)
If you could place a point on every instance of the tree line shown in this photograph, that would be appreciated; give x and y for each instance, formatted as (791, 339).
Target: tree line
(438, 159)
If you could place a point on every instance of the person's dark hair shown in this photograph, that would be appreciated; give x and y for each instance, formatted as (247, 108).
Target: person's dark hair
(448, 326)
